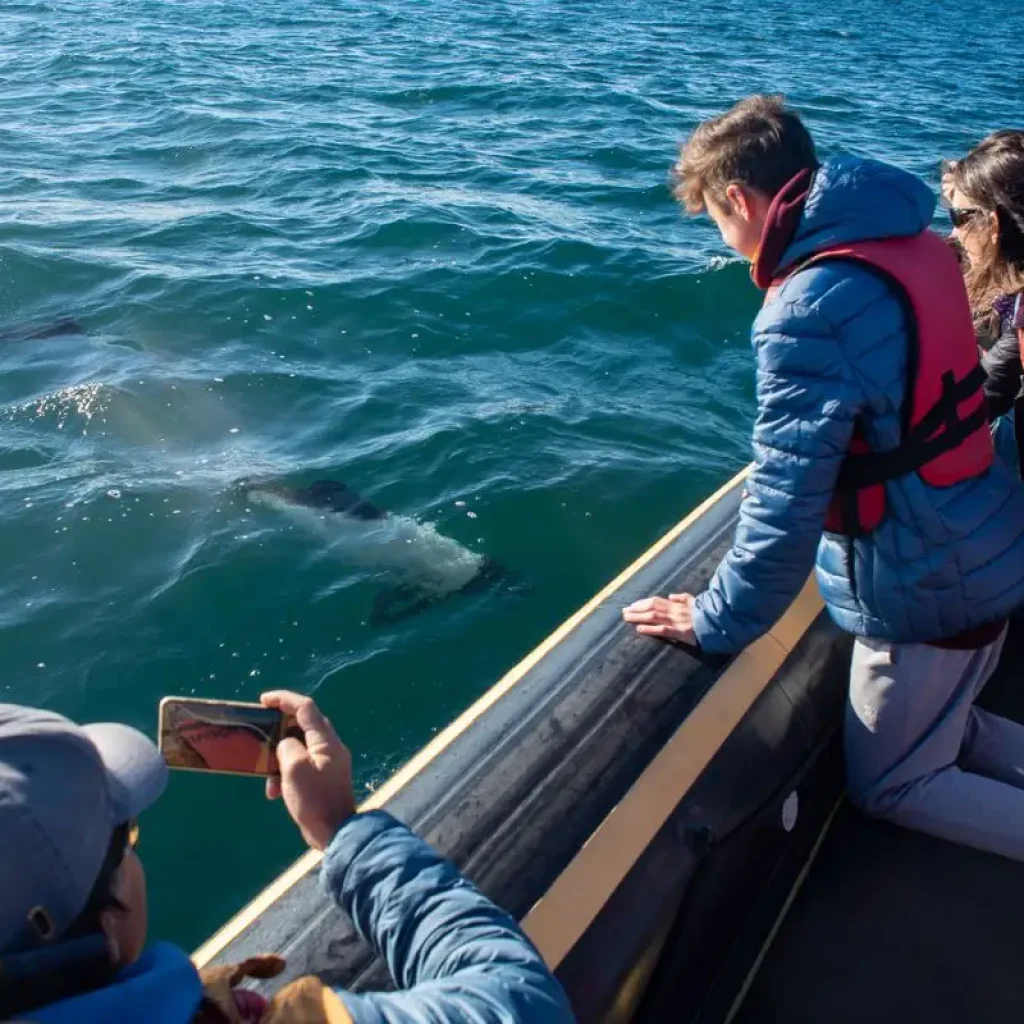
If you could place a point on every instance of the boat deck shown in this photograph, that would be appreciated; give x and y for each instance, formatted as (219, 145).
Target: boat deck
(892, 926)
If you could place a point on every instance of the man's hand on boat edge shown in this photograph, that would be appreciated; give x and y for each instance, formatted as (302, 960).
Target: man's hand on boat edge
(669, 618)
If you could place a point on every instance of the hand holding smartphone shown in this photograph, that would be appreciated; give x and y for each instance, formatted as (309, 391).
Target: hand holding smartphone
(284, 738)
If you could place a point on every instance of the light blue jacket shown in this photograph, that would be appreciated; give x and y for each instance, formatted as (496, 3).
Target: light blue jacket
(458, 958)
(831, 345)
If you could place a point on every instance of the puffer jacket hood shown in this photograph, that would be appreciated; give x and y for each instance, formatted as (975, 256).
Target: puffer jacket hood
(855, 200)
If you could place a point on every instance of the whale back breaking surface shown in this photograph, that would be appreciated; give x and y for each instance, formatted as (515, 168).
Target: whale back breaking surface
(426, 563)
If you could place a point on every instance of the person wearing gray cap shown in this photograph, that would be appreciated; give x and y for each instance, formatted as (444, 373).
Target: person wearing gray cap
(73, 894)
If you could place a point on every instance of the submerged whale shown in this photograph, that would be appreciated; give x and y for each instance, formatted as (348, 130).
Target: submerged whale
(57, 329)
(426, 565)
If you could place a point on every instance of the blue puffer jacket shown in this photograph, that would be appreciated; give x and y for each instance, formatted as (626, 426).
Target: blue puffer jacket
(458, 957)
(832, 344)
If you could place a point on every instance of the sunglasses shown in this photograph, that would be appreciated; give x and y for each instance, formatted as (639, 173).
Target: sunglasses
(959, 216)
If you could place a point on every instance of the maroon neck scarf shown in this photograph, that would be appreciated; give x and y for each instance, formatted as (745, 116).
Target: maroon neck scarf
(779, 227)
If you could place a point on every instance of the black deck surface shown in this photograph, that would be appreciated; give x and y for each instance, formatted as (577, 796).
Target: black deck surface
(891, 926)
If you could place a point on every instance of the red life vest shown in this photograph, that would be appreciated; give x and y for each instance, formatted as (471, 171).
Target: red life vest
(945, 436)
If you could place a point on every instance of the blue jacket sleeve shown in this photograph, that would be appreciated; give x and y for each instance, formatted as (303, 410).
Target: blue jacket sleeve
(455, 955)
(807, 399)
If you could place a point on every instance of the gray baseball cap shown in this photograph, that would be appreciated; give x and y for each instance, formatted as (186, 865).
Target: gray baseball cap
(64, 788)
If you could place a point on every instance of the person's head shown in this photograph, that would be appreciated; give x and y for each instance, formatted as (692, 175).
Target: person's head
(985, 192)
(734, 165)
(72, 890)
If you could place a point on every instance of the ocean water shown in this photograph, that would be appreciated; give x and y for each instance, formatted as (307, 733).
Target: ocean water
(425, 248)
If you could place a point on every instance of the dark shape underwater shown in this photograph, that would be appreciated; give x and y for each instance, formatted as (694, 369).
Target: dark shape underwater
(330, 495)
(57, 329)
(394, 603)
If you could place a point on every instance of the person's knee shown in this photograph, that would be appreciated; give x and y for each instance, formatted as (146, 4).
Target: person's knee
(876, 801)
(899, 803)
(866, 788)
(862, 799)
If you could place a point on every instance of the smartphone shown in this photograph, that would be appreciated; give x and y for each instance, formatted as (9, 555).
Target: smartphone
(223, 736)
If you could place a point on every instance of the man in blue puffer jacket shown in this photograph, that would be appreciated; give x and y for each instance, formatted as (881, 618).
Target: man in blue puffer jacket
(73, 896)
(928, 589)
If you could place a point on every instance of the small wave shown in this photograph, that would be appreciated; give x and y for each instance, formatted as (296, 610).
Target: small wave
(721, 262)
(419, 96)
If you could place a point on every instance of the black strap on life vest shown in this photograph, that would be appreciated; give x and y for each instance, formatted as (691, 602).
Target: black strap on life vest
(940, 430)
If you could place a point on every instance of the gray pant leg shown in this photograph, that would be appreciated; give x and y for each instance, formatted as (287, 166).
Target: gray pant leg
(994, 746)
(909, 720)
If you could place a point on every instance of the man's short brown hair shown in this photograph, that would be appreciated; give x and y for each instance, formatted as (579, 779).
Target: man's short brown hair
(760, 143)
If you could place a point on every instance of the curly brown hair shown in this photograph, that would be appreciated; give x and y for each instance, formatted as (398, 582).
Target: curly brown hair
(991, 177)
(760, 142)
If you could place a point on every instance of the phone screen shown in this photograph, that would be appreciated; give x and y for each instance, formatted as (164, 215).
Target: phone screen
(220, 736)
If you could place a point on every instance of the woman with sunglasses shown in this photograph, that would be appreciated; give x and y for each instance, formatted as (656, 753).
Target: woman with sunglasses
(985, 193)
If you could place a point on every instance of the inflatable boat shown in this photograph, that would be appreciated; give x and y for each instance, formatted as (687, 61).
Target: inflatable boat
(671, 831)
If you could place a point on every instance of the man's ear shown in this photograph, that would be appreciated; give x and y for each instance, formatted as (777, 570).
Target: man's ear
(111, 918)
(738, 200)
(108, 922)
